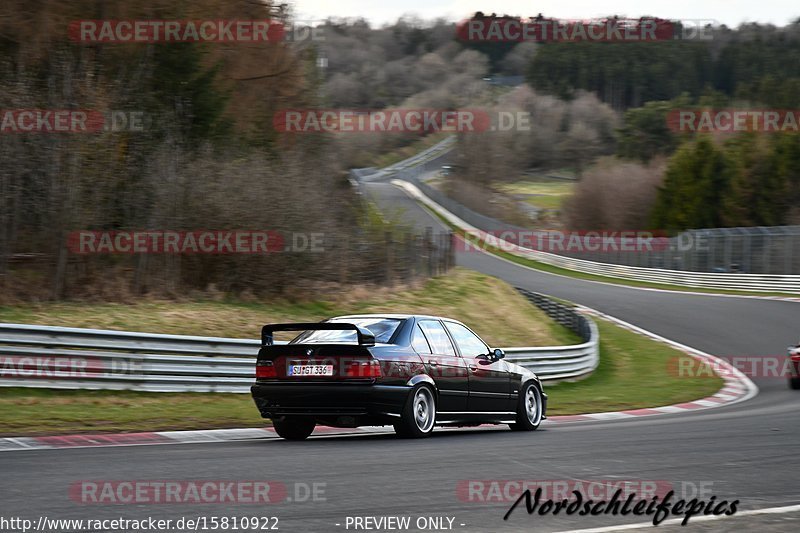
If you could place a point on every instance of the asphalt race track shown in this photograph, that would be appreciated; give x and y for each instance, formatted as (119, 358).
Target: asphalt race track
(747, 451)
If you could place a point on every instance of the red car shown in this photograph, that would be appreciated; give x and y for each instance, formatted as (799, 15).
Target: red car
(794, 359)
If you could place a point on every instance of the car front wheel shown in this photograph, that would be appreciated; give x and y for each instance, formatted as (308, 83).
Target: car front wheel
(529, 409)
(419, 414)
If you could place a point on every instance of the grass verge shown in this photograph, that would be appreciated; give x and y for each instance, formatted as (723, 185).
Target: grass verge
(634, 372)
(469, 296)
(65, 412)
(544, 194)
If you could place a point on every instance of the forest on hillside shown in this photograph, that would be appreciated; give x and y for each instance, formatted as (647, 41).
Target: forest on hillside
(601, 110)
(209, 156)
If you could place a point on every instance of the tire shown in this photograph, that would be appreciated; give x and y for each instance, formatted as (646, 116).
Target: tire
(294, 428)
(529, 409)
(794, 383)
(419, 414)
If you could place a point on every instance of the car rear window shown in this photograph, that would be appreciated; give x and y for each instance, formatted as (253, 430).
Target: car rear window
(382, 328)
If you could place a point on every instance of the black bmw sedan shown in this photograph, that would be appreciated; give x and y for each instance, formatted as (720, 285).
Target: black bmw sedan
(413, 372)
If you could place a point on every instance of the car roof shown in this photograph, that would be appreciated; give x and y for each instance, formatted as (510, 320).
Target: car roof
(399, 316)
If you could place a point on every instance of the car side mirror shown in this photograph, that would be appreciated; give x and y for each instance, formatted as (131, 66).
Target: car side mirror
(498, 354)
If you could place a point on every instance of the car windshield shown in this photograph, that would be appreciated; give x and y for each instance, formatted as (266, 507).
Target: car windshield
(382, 328)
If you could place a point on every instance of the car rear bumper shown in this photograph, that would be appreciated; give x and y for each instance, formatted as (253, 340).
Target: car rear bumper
(276, 399)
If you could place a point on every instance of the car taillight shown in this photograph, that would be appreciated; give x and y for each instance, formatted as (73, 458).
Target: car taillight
(266, 370)
(363, 369)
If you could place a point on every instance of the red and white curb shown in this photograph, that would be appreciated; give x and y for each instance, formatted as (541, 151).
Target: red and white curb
(103, 440)
(156, 437)
(737, 387)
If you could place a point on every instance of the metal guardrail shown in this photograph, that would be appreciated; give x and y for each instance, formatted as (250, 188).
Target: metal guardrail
(75, 358)
(787, 283)
(772, 250)
(554, 363)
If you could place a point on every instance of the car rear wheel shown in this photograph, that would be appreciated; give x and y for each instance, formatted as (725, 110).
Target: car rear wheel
(294, 428)
(529, 409)
(794, 383)
(419, 414)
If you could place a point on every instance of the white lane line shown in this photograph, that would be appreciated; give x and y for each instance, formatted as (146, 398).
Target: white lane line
(724, 397)
(671, 409)
(196, 436)
(707, 403)
(612, 415)
(693, 520)
(732, 390)
(48, 447)
(18, 443)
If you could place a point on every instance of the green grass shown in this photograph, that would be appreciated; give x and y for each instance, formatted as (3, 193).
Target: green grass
(549, 194)
(545, 201)
(634, 373)
(463, 294)
(50, 411)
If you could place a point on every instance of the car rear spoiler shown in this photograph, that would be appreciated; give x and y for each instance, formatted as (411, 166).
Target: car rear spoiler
(365, 336)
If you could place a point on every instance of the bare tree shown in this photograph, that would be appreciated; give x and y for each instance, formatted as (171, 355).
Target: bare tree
(615, 195)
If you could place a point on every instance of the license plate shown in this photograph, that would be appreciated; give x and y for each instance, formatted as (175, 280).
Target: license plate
(310, 370)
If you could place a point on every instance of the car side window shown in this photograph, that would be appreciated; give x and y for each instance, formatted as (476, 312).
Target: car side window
(437, 337)
(419, 342)
(468, 343)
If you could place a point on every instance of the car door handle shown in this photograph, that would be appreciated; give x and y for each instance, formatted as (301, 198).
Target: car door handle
(473, 368)
(432, 363)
